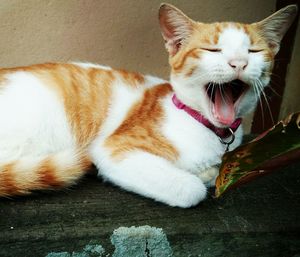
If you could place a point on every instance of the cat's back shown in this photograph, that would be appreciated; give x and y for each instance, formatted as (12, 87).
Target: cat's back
(69, 79)
(63, 78)
(77, 96)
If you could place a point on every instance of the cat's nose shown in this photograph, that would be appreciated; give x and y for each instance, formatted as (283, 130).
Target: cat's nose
(238, 64)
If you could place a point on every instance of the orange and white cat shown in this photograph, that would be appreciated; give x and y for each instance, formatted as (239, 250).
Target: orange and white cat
(160, 139)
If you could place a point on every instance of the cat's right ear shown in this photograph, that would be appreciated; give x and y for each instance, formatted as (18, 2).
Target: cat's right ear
(175, 26)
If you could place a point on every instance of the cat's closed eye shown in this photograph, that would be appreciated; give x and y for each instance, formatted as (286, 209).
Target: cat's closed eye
(254, 50)
(211, 49)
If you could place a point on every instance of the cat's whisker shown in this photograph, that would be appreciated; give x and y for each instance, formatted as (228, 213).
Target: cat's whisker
(257, 93)
(223, 93)
(266, 100)
(274, 91)
(207, 93)
(208, 87)
(267, 103)
(211, 96)
(198, 77)
(272, 82)
(271, 74)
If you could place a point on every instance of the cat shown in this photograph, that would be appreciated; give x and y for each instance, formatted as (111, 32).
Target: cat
(162, 140)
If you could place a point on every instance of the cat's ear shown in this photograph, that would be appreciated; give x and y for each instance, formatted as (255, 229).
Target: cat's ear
(275, 26)
(175, 26)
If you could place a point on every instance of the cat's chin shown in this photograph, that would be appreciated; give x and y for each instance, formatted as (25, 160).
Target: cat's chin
(224, 99)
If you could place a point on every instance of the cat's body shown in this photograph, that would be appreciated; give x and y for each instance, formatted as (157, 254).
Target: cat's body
(57, 119)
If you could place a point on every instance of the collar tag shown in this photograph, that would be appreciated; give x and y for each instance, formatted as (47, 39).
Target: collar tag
(228, 143)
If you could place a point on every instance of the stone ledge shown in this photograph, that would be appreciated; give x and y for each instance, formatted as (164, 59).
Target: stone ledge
(257, 219)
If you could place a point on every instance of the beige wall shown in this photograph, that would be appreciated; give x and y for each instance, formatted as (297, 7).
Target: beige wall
(291, 97)
(118, 33)
(121, 33)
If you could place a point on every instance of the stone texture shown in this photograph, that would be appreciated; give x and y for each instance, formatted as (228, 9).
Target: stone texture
(143, 241)
(257, 219)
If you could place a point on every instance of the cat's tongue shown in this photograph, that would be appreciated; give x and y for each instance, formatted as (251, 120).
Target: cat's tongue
(224, 107)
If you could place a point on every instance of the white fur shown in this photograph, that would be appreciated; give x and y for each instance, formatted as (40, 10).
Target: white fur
(151, 176)
(32, 119)
(198, 146)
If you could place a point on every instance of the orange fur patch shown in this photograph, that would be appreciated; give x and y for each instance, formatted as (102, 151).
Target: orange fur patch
(191, 71)
(258, 42)
(46, 175)
(204, 36)
(139, 131)
(7, 181)
(180, 60)
(131, 78)
(16, 179)
(88, 88)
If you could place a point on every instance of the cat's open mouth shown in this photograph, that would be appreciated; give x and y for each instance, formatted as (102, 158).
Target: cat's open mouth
(224, 98)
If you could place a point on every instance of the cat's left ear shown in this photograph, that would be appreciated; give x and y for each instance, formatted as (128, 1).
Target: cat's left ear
(175, 26)
(275, 26)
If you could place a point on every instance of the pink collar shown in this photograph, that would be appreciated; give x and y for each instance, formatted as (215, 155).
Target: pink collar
(220, 132)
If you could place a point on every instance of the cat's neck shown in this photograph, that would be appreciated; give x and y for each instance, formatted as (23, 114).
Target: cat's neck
(220, 132)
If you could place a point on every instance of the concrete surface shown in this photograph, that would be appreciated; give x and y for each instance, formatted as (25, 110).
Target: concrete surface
(257, 219)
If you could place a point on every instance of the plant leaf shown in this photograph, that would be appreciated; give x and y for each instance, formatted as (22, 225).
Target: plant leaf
(274, 149)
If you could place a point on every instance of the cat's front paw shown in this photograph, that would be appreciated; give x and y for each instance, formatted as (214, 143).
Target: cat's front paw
(208, 176)
(187, 193)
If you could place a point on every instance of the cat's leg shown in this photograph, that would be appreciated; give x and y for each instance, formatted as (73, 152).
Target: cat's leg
(153, 177)
(208, 176)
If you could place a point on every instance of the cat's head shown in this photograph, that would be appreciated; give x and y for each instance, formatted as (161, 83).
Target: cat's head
(220, 69)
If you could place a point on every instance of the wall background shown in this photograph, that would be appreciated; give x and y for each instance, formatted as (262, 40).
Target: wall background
(291, 97)
(119, 33)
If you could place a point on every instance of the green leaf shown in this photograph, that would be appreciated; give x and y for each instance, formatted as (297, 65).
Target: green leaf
(275, 148)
